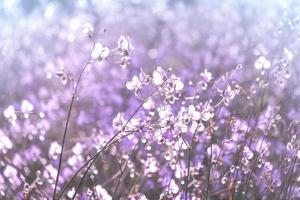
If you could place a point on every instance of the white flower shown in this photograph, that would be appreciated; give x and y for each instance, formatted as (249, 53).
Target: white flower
(207, 112)
(125, 44)
(10, 113)
(158, 76)
(262, 63)
(10, 172)
(26, 106)
(151, 165)
(174, 187)
(195, 115)
(149, 104)
(88, 29)
(134, 84)
(248, 153)
(50, 172)
(100, 52)
(102, 193)
(165, 112)
(5, 142)
(125, 61)
(55, 148)
(177, 82)
(77, 149)
(144, 78)
(206, 75)
(288, 54)
(118, 121)
(268, 167)
(298, 154)
(71, 192)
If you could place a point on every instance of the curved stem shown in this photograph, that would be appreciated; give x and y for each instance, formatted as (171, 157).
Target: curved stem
(68, 121)
(189, 161)
(123, 170)
(86, 163)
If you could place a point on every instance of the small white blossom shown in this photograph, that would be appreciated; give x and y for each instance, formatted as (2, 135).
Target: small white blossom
(248, 153)
(288, 54)
(268, 167)
(193, 113)
(100, 52)
(26, 106)
(158, 76)
(262, 63)
(102, 193)
(77, 149)
(174, 187)
(88, 29)
(125, 61)
(71, 192)
(125, 45)
(206, 77)
(134, 84)
(118, 122)
(298, 154)
(55, 148)
(10, 113)
(178, 84)
(5, 142)
(149, 104)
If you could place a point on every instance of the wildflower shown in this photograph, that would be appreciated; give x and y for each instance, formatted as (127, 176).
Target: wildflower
(151, 165)
(100, 52)
(149, 104)
(144, 78)
(26, 106)
(159, 75)
(193, 113)
(134, 84)
(125, 45)
(54, 149)
(125, 61)
(288, 55)
(63, 76)
(262, 63)
(229, 94)
(248, 154)
(10, 113)
(206, 111)
(174, 187)
(11, 173)
(88, 29)
(268, 167)
(206, 77)
(118, 122)
(5, 142)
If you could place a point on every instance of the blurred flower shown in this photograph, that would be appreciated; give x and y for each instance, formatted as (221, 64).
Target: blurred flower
(26, 106)
(159, 75)
(262, 63)
(134, 84)
(125, 45)
(5, 142)
(9, 113)
(100, 52)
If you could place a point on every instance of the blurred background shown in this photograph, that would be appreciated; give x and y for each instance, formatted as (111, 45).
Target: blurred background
(40, 37)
